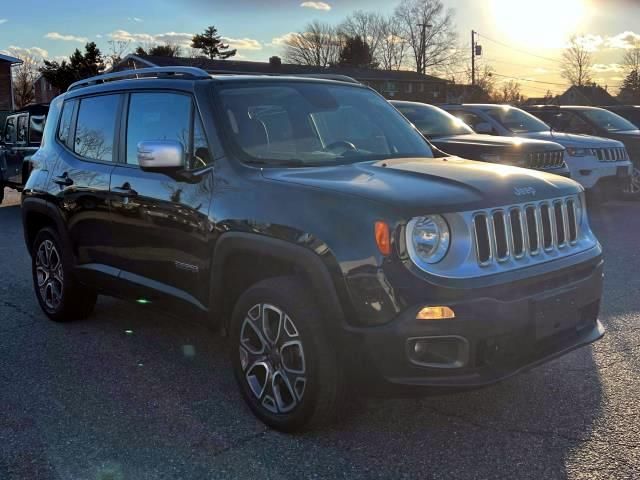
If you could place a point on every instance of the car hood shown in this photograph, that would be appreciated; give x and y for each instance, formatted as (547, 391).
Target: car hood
(571, 140)
(512, 143)
(429, 185)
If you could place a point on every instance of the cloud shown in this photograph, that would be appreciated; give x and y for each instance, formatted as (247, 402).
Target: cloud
(281, 40)
(316, 5)
(590, 41)
(243, 43)
(608, 68)
(21, 52)
(66, 38)
(173, 38)
(3, 20)
(135, 19)
(624, 40)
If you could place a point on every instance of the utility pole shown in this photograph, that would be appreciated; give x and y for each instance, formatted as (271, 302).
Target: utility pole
(423, 47)
(473, 57)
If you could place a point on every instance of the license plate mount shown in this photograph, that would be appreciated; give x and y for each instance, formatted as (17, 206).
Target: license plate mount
(555, 313)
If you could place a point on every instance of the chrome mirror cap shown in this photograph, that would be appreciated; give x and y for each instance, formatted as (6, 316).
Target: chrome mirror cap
(161, 154)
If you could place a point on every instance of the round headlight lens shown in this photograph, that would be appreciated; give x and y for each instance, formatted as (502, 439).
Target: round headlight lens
(429, 239)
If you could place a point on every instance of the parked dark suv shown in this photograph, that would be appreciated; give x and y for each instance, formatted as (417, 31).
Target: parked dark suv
(311, 221)
(21, 137)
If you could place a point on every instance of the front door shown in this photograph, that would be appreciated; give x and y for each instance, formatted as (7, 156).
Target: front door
(160, 220)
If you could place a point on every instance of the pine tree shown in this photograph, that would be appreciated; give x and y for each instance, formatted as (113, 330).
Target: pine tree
(356, 53)
(80, 66)
(630, 91)
(211, 44)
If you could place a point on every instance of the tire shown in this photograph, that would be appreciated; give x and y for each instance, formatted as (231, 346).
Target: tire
(59, 294)
(289, 375)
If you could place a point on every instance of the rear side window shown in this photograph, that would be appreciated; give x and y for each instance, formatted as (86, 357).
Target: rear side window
(22, 128)
(65, 124)
(10, 130)
(36, 128)
(95, 130)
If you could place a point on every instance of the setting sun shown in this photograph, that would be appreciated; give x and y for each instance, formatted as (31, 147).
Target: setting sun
(548, 23)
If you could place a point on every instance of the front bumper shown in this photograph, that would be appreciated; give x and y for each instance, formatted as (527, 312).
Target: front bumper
(589, 171)
(514, 328)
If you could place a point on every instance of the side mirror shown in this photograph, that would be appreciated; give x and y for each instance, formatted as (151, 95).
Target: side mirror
(484, 128)
(161, 155)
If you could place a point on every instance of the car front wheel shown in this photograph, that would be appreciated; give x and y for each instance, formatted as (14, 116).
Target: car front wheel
(284, 364)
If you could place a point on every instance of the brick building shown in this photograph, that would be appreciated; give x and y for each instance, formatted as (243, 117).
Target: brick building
(44, 91)
(393, 84)
(6, 83)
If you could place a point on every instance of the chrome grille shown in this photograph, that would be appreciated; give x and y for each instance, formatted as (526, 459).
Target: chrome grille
(519, 232)
(545, 160)
(611, 154)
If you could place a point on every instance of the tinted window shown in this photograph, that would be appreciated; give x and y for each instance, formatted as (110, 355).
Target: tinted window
(315, 123)
(65, 123)
(516, 120)
(22, 128)
(10, 130)
(608, 120)
(433, 121)
(468, 118)
(157, 116)
(36, 128)
(96, 127)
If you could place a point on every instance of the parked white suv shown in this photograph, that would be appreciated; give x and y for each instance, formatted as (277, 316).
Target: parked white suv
(592, 161)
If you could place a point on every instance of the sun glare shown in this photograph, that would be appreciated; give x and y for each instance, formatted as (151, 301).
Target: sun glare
(539, 23)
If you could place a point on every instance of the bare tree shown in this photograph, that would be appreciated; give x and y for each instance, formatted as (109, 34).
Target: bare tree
(577, 63)
(392, 49)
(631, 60)
(366, 25)
(118, 49)
(509, 93)
(428, 29)
(318, 45)
(24, 77)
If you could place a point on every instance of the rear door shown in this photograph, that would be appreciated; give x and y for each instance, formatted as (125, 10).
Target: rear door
(160, 220)
(87, 140)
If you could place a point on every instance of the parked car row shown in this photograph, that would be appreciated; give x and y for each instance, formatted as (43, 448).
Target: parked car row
(601, 165)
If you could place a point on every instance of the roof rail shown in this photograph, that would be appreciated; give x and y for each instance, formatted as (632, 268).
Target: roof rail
(326, 76)
(186, 73)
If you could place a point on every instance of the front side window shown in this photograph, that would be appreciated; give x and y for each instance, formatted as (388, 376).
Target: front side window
(516, 120)
(300, 123)
(609, 121)
(10, 130)
(36, 128)
(96, 126)
(21, 135)
(468, 118)
(434, 122)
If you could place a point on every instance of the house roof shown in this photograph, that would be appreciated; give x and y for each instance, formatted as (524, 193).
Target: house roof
(12, 60)
(266, 68)
(590, 95)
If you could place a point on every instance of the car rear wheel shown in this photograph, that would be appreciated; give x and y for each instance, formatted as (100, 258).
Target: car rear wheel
(283, 361)
(60, 296)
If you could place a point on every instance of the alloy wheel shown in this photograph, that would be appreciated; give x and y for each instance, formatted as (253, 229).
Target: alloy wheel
(49, 274)
(272, 358)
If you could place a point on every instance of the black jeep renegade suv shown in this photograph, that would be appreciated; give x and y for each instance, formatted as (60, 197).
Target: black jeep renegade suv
(313, 223)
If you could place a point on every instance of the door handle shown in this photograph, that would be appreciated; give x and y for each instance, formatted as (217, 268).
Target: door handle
(63, 180)
(125, 190)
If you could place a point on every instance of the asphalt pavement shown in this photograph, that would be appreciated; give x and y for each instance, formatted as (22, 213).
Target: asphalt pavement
(135, 394)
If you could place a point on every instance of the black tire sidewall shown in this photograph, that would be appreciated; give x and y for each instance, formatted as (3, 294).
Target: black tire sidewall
(287, 294)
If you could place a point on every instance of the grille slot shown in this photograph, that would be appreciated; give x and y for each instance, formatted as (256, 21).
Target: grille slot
(518, 232)
(545, 160)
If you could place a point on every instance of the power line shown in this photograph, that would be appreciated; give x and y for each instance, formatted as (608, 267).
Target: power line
(533, 81)
(518, 50)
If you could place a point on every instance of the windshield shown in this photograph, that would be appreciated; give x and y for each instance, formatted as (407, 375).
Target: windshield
(301, 123)
(516, 120)
(608, 120)
(432, 121)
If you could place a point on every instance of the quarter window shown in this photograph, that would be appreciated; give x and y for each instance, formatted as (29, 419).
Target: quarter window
(65, 123)
(95, 130)
(10, 130)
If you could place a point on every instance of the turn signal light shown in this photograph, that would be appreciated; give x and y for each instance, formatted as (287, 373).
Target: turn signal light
(435, 313)
(383, 238)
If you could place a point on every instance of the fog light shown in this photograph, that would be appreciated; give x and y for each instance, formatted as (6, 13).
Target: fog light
(435, 313)
(438, 352)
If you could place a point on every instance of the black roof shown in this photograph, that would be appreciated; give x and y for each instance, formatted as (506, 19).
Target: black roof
(267, 68)
(33, 109)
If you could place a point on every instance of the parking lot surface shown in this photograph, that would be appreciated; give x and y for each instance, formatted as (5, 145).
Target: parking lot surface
(136, 394)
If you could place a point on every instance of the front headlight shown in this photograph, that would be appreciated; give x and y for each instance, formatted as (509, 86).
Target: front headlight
(428, 239)
(578, 152)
